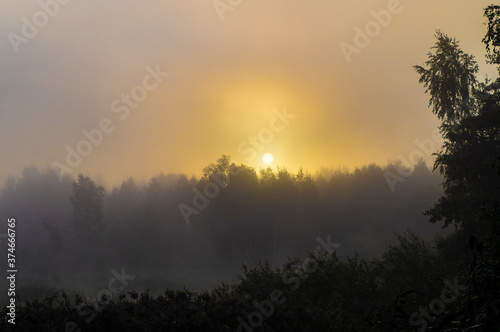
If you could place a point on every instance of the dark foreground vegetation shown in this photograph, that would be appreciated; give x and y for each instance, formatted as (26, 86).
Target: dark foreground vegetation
(412, 287)
(450, 284)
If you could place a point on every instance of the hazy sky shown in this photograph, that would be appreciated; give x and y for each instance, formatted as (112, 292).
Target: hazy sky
(229, 74)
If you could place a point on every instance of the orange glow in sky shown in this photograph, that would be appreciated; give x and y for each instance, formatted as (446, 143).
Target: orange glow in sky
(230, 80)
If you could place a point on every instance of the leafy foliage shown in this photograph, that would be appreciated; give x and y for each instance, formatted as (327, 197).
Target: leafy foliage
(449, 80)
(492, 38)
(319, 292)
(471, 129)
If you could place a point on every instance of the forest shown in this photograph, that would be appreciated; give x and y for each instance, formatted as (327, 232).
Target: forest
(380, 248)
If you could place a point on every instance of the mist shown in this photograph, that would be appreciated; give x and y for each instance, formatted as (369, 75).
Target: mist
(175, 231)
(232, 165)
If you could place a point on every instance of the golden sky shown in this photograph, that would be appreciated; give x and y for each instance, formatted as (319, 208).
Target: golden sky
(231, 69)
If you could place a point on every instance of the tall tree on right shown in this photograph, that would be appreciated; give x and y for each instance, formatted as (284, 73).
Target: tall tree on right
(470, 163)
(470, 114)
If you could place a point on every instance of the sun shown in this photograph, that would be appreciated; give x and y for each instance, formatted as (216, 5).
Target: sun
(267, 158)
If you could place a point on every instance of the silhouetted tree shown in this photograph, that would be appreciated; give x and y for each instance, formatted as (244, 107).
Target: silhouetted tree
(471, 132)
(468, 160)
(55, 238)
(223, 170)
(492, 38)
(87, 202)
(449, 80)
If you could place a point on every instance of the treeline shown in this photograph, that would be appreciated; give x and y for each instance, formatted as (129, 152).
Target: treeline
(242, 217)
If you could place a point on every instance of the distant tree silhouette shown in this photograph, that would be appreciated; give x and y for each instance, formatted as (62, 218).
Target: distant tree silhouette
(223, 170)
(55, 238)
(87, 203)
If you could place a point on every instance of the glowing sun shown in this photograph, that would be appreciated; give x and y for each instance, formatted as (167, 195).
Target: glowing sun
(267, 158)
